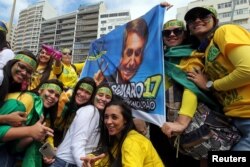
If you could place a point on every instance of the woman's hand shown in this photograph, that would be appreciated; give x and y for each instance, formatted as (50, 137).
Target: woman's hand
(198, 78)
(48, 160)
(40, 131)
(140, 126)
(166, 5)
(172, 129)
(90, 160)
(98, 77)
(16, 118)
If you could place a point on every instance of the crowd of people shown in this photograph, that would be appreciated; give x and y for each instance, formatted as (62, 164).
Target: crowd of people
(43, 101)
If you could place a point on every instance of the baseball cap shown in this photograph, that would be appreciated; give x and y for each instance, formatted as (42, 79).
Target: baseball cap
(198, 10)
(174, 22)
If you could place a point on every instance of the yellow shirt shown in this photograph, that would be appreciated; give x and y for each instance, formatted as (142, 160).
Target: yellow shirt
(229, 68)
(189, 99)
(67, 74)
(137, 151)
(37, 75)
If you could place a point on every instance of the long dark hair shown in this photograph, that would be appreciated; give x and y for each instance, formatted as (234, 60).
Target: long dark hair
(52, 111)
(3, 42)
(8, 84)
(47, 69)
(110, 141)
(72, 104)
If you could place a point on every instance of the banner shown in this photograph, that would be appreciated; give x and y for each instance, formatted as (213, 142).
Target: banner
(130, 59)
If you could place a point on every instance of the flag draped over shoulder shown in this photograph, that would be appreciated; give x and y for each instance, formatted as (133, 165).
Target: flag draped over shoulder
(144, 91)
(173, 57)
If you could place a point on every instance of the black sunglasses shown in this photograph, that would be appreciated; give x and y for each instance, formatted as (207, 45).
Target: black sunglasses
(176, 31)
(203, 17)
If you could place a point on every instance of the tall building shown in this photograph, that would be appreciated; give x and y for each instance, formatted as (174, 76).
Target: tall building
(75, 30)
(11, 33)
(111, 20)
(59, 31)
(229, 11)
(29, 25)
(86, 29)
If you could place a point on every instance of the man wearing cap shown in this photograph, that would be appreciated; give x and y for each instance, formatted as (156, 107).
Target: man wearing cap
(227, 66)
(66, 72)
(6, 53)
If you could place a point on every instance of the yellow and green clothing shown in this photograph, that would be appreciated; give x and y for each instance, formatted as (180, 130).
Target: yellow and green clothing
(37, 75)
(67, 74)
(179, 60)
(137, 151)
(33, 106)
(227, 64)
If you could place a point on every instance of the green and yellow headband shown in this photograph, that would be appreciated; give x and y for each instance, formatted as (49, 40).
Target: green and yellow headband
(87, 87)
(104, 90)
(171, 23)
(51, 86)
(26, 59)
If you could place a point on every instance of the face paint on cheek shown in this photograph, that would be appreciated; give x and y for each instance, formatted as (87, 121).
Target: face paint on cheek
(96, 99)
(16, 70)
(46, 95)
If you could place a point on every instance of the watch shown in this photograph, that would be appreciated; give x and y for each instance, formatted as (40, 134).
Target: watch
(209, 85)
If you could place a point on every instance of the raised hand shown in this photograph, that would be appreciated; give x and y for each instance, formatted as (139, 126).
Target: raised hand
(53, 52)
(40, 131)
(166, 5)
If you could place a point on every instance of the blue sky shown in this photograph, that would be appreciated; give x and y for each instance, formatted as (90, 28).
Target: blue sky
(136, 7)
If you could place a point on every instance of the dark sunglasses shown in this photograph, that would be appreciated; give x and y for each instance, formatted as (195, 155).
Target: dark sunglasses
(203, 17)
(66, 53)
(176, 32)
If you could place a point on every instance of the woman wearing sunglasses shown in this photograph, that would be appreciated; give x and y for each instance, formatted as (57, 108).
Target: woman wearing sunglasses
(65, 71)
(227, 66)
(173, 34)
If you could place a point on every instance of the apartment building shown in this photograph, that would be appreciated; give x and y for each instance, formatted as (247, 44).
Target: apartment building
(59, 31)
(111, 20)
(12, 34)
(74, 30)
(86, 29)
(29, 25)
(229, 11)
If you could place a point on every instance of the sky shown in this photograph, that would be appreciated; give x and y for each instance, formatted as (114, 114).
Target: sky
(136, 7)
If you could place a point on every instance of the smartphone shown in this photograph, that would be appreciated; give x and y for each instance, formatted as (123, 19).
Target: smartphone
(47, 150)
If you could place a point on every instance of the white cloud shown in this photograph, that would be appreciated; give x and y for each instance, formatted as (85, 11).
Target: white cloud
(136, 7)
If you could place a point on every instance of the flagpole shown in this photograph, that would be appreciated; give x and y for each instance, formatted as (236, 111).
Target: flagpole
(11, 20)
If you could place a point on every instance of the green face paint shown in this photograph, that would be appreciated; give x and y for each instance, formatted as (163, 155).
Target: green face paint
(51, 86)
(87, 87)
